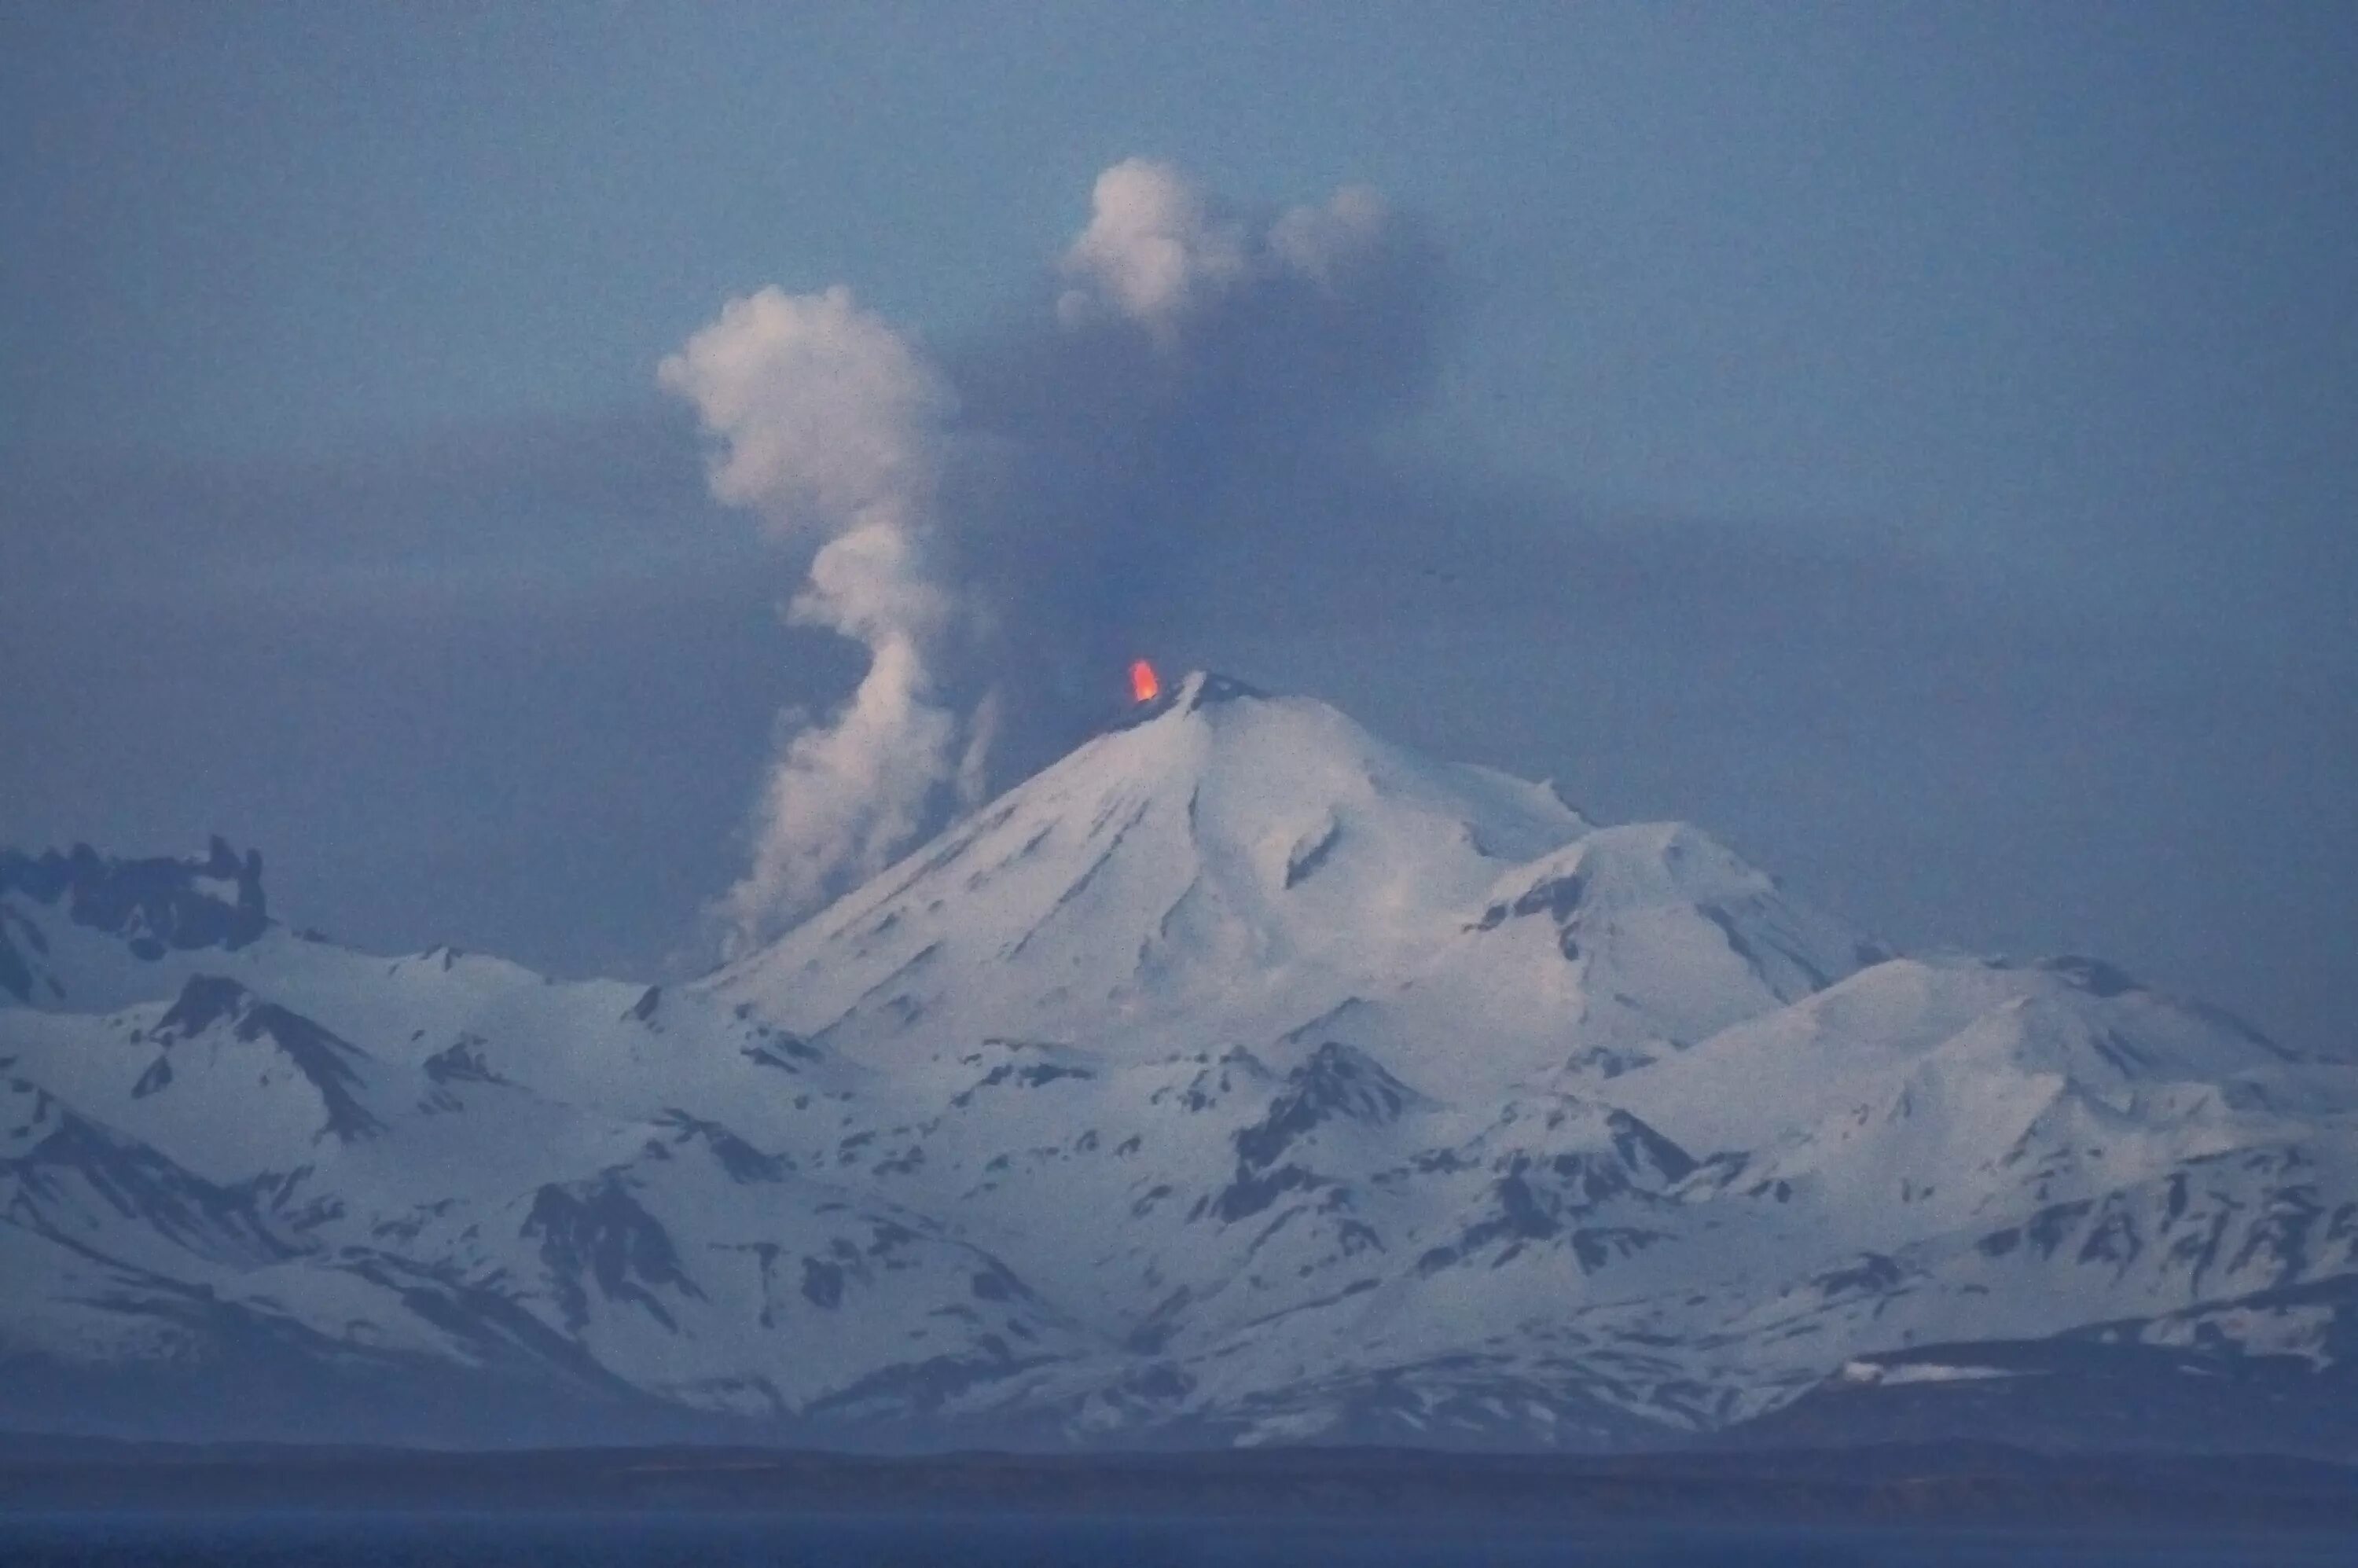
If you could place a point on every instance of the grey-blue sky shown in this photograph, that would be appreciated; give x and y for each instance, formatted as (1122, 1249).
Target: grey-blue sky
(1938, 420)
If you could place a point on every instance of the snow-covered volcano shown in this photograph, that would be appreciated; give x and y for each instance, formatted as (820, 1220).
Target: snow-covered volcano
(1240, 1077)
(1238, 867)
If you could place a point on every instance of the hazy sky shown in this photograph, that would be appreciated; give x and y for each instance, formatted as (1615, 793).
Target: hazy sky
(1919, 443)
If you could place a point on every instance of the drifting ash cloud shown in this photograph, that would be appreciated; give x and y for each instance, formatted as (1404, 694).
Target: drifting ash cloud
(998, 528)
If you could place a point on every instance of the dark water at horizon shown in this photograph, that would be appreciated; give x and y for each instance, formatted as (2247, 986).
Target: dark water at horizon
(415, 1541)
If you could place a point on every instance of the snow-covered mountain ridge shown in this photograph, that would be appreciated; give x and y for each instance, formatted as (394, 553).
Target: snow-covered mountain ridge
(1240, 1077)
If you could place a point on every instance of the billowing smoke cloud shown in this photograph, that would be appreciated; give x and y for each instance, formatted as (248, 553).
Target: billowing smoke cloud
(1002, 528)
(1156, 249)
(1203, 419)
(829, 426)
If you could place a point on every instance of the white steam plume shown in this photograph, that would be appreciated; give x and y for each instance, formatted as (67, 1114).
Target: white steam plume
(830, 426)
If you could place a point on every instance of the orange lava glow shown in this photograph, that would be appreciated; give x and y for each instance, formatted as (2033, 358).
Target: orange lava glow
(1143, 684)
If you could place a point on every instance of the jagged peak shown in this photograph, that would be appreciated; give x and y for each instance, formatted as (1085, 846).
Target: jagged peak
(154, 903)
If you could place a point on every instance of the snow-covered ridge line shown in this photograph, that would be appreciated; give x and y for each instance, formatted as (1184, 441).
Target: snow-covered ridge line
(1240, 1077)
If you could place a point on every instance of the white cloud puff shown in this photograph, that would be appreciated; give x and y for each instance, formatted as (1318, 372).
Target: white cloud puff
(1153, 248)
(1157, 248)
(824, 412)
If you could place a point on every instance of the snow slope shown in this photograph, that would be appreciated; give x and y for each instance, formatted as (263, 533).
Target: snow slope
(1241, 1077)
